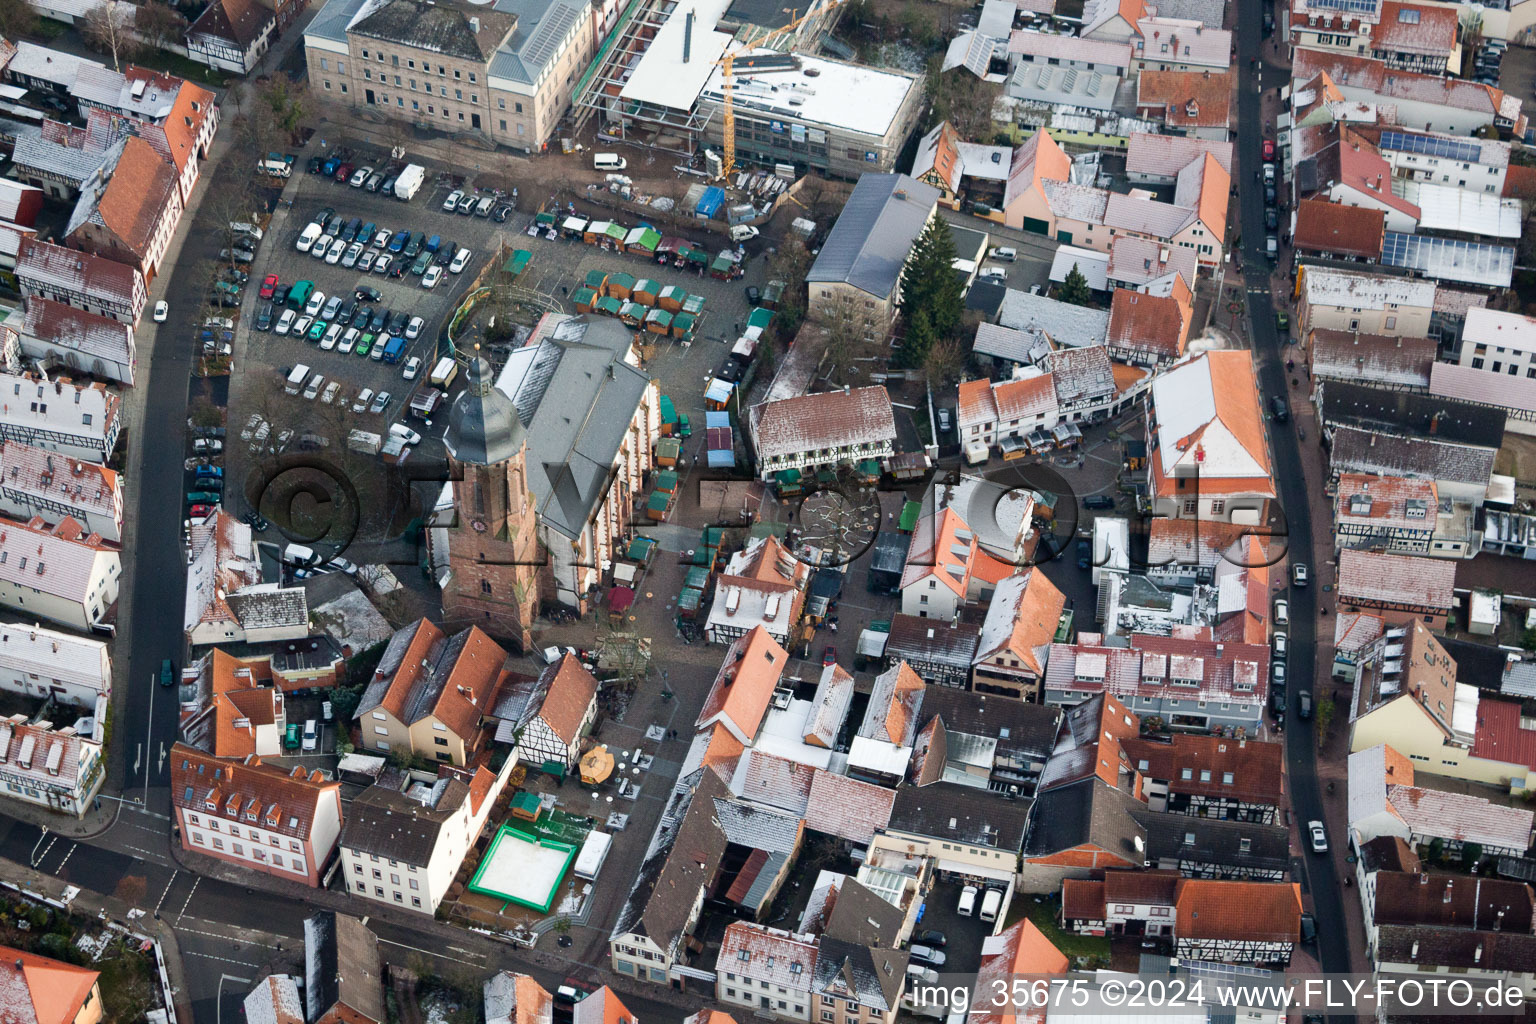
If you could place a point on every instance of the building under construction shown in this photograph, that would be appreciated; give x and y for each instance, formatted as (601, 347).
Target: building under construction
(645, 84)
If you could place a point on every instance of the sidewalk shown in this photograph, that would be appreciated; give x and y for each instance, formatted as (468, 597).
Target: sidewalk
(94, 904)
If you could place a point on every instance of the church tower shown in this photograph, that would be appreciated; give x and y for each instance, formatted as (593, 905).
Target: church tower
(494, 555)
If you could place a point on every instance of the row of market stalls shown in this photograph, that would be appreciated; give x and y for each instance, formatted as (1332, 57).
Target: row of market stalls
(641, 303)
(643, 241)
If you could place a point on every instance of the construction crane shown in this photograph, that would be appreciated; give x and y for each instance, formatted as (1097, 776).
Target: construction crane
(727, 62)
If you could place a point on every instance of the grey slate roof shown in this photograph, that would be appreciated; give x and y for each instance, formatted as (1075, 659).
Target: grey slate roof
(387, 823)
(1065, 323)
(574, 438)
(849, 971)
(950, 643)
(1216, 842)
(980, 817)
(1357, 450)
(860, 916)
(1087, 811)
(1402, 412)
(74, 165)
(342, 966)
(757, 827)
(1025, 732)
(870, 242)
(439, 27)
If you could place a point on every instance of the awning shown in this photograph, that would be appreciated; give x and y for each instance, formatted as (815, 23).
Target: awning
(909, 515)
(693, 304)
(697, 577)
(788, 477)
(625, 572)
(615, 231)
(544, 218)
(555, 768)
(668, 410)
(666, 480)
(644, 238)
(690, 600)
(718, 391)
(595, 279)
(596, 765)
(576, 224)
(640, 549)
(869, 467)
(760, 318)
(620, 598)
(608, 305)
(659, 501)
(517, 262)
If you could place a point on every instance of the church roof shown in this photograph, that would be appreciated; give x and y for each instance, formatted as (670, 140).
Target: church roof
(483, 426)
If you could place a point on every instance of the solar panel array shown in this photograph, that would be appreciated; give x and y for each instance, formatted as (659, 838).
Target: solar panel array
(1355, 6)
(1450, 259)
(1431, 145)
(547, 40)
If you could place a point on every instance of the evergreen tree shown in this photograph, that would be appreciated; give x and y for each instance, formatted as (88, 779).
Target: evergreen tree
(919, 338)
(929, 283)
(1075, 288)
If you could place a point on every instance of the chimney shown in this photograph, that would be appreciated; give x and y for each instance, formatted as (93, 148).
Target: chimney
(474, 25)
(1434, 423)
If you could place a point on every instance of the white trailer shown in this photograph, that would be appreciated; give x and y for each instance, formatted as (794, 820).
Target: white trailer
(365, 441)
(593, 852)
(408, 181)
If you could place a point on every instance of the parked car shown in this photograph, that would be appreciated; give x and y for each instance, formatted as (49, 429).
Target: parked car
(1304, 705)
(316, 302)
(353, 253)
(331, 308)
(167, 672)
(380, 402)
(413, 328)
(367, 293)
(829, 656)
(1279, 644)
(382, 264)
(285, 321)
(1319, 836)
(336, 251)
(931, 937)
(237, 255)
(459, 262)
(365, 261)
(452, 202)
(411, 369)
(1282, 612)
(1278, 407)
(311, 735)
(363, 400)
(162, 310)
(433, 275)
(1300, 574)
(264, 316)
(927, 955)
(467, 204)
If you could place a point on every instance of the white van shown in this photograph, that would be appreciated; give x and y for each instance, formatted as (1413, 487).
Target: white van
(307, 237)
(296, 379)
(991, 903)
(609, 162)
(299, 555)
(311, 735)
(967, 905)
(313, 388)
(976, 452)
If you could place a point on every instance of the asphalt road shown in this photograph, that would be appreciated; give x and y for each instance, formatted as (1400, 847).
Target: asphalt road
(148, 718)
(1301, 748)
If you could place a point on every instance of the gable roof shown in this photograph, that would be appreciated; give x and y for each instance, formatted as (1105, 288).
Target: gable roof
(1022, 949)
(569, 692)
(1414, 898)
(457, 30)
(830, 419)
(134, 200)
(37, 990)
(1085, 813)
(847, 808)
(342, 968)
(1323, 226)
(425, 673)
(1199, 765)
(1038, 160)
(284, 801)
(1157, 323)
(512, 998)
(894, 700)
(743, 688)
(1210, 908)
(870, 975)
(1373, 358)
(682, 860)
(1376, 578)
(1022, 619)
(238, 21)
(1207, 410)
(869, 244)
(1190, 99)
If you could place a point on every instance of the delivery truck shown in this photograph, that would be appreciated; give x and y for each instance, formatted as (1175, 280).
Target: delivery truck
(408, 181)
(278, 168)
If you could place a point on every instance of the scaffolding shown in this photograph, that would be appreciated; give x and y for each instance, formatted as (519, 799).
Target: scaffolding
(598, 92)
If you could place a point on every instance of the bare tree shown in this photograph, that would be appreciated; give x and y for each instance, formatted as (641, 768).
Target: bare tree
(159, 24)
(17, 18)
(856, 337)
(109, 28)
(286, 99)
(944, 362)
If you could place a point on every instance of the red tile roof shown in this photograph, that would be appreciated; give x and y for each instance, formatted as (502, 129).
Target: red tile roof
(1256, 767)
(1238, 911)
(37, 990)
(1372, 579)
(138, 195)
(1500, 735)
(571, 690)
(284, 802)
(848, 808)
(1156, 323)
(1322, 226)
(744, 686)
(1189, 99)
(1082, 899)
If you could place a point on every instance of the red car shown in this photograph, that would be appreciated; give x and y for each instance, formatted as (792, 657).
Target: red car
(1269, 149)
(344, 172)
(829, 656)
(200, 511)
(268, 286)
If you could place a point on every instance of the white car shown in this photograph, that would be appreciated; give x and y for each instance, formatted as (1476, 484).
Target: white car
(382, 238)
(223, 323)
(349, 339)
(992, 274)
(338, 247)
(162, 310)
(332, 335)
(460, 261)
(381, 265)
(364, 397)
(1282, 612)
(452, 202)
(321, 247)
(1299, 574)
(413, 329)
(380, 401)
(412, 368)
(208, 446)
(404, 433)
(360, 176)
(354, 251)
(250, 426)
(285, 322)
(316, 303)
(1319, 836)
(311, 735)
(329, 397)
(433, 275)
